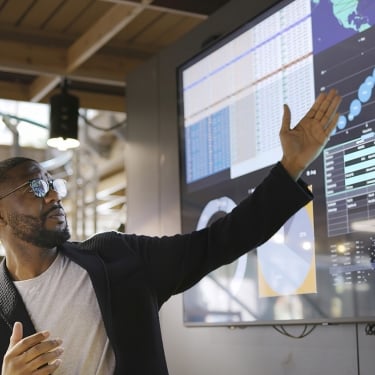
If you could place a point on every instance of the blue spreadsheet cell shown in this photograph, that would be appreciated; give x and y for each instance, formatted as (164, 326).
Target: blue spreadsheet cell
(207, 146)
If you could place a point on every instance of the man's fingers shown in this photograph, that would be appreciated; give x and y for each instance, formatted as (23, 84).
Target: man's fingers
(312, 113)
(331, 126)
(28, 342)
(331, 111)
(322, 105)
(321, 112)
(41, 357)
(17, 334)
(34, 354)
(43, 352)
(285, 125)
(41, 348)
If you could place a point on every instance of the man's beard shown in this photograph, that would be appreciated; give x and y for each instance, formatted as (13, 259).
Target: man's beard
(31, 229)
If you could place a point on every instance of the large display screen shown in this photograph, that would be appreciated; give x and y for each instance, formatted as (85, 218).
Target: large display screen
(320, 266)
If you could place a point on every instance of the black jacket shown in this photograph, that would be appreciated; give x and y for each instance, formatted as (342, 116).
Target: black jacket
(134, 275)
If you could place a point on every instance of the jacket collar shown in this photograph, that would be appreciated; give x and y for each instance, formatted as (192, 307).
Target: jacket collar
(12, 308)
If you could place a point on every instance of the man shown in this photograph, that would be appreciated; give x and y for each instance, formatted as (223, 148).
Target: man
(92, 307)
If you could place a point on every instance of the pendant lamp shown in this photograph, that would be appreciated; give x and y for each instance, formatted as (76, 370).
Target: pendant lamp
(64, 108)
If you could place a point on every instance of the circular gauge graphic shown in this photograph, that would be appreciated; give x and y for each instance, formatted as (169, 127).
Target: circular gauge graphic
(234, 272)
(287, 260)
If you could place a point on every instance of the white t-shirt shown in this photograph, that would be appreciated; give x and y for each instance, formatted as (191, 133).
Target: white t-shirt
(62, 301)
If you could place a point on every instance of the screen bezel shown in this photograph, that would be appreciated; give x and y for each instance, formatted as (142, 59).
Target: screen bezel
(207, 50)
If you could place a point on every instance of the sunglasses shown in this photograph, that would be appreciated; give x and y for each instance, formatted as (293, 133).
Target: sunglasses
(41, 187)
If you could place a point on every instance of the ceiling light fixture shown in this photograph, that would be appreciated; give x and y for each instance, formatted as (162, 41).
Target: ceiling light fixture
(63, 120)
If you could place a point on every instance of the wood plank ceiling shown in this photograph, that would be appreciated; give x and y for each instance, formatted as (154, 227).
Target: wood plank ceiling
(92, 43)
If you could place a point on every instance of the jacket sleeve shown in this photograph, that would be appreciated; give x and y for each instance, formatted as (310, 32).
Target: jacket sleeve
(176, 263)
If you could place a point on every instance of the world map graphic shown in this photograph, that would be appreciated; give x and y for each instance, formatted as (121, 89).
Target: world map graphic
(337, 20)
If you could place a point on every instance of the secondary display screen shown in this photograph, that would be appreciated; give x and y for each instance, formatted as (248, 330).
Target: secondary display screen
(319, 267)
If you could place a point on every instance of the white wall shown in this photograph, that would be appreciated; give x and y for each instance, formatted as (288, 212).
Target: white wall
(153, 208)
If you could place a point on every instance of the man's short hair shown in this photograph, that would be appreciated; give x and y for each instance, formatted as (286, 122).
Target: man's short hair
(8, 164)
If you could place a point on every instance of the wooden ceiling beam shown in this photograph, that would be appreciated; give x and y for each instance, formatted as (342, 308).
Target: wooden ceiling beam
(31, 57)
(91, 100)
(14, 91)
(101, 32)
(102, 68)
(42, 86)
(162, 9)
(91, 41)
(105, 102)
